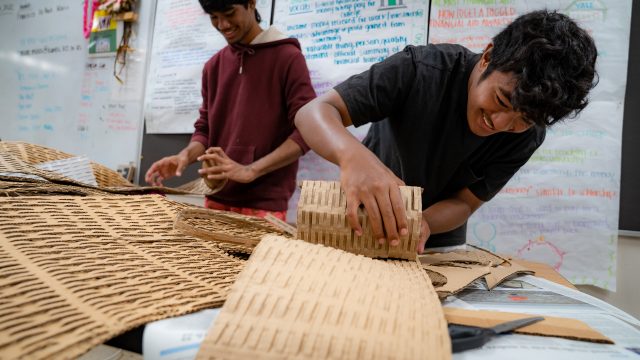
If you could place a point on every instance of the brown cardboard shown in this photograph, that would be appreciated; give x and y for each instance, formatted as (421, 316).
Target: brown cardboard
(322, 220)
(299, 300)
(239, 233)
(500, 273)
(550, 326)
(17, 160)
(462, 267)
(77, 271)
(474, 256)
(457, 277)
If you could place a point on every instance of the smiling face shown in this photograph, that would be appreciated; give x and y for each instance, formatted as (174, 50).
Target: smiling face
(237, 23)
(489, 108)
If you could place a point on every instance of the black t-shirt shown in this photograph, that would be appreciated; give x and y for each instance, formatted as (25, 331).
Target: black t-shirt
(417, 102)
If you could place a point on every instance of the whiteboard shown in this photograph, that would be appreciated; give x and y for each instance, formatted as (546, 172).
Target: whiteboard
(54, 95)
(562, 207)
(184, 40)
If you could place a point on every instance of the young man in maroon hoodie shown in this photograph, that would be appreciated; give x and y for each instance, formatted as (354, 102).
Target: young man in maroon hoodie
(251, 91)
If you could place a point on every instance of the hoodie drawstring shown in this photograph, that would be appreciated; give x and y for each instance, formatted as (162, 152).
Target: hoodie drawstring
(242, 51)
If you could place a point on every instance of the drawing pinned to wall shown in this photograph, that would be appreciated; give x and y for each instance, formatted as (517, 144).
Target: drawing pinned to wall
(541, 250)
(562, 206)
(184, 40)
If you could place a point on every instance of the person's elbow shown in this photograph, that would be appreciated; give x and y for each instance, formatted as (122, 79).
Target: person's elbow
(304, 114)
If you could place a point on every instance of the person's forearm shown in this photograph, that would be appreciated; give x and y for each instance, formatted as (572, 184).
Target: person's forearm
(446, 215)
(288, 152)
(451, 213)
(193, 150)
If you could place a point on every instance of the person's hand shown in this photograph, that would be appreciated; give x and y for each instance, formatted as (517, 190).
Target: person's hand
(225, 168)
(425, 232)
(165, 168)
(365, 180)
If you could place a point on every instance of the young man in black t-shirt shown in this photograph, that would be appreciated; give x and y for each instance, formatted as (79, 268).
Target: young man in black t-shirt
(455, 123)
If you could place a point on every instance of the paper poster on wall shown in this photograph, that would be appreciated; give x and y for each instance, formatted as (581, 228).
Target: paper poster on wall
(183, 40)
(562, 207)
(342, 38)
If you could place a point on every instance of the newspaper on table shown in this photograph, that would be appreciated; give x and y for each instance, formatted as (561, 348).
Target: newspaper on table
(526, 294)
(534, 295)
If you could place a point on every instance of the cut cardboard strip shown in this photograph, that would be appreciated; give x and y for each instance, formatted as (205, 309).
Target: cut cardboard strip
(322, 220)
(300, 300)
(474, 256)
(550, 326)
(77, 271)
(20, 188)
(500, 273)
(458, 278)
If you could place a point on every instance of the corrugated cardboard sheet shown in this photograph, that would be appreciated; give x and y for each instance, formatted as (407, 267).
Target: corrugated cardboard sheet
(550, 326)
(300, 300)
(18, 162)
(322, 220)
(77, 271)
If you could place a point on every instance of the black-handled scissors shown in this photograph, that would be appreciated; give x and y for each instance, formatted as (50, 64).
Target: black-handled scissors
(470, 337)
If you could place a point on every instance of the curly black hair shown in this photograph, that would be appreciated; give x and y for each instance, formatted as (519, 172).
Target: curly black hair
(210, 6)
(553, 61)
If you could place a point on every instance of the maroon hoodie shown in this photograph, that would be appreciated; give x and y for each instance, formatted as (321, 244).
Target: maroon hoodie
(251, 94)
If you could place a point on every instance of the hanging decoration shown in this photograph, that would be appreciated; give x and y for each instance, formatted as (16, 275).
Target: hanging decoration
(122, 11)
(89, 9)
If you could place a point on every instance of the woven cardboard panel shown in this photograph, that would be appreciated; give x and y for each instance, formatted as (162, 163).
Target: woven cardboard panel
(233, 232)
(36, 154)
(300, 300)
(15, 165)
(77, 271)
(322, 220)
(20, 188)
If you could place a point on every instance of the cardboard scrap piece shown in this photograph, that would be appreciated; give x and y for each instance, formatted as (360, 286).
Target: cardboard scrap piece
(77, 271)
(300, 300)
(475, 256)
(457, 277)
(550, 326)
(322, 220)
(500, 273)
(462, 267)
